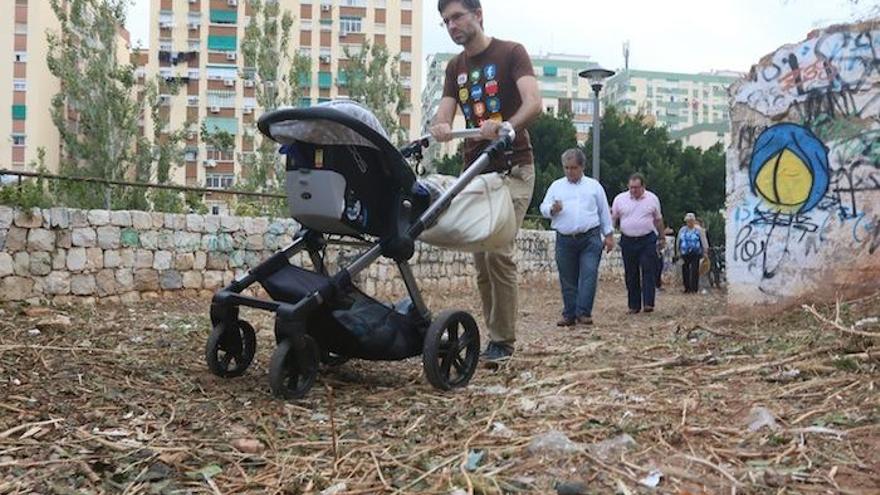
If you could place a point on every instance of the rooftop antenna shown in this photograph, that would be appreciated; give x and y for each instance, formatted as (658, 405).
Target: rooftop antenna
(626, 55)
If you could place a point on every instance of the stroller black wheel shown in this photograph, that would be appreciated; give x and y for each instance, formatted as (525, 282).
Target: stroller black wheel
(451, 350)
(231, 348)
(292, 373)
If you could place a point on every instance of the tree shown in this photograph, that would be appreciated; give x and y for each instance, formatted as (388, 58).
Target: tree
(276, 76)
(165, 150)
(95, 112)
(372, 77)
(551, 136)
(684, 179)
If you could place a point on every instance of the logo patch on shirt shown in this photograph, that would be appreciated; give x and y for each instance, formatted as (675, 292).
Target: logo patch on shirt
(493, 104)
(476, 93)
(463, 94)
(462, 79)
(491, 71)
(492, 88)
(475, 75)
(468, 111)
(496, 117)
(480, 109)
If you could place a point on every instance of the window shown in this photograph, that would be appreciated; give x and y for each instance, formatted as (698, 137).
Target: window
(219, 181)
(354, 3)
(21, 56)
(19, 85)
(325, 79)
(165, 45)
(193, 45)
(222, 43)
(220, 156)
(222, 99)
(582, 107)
(305, 24)
(215, 210)
(221, 72)
(20, 28)
(18, 140)
(305, 51)
(191, 155)
(224, 16)
(350, 24)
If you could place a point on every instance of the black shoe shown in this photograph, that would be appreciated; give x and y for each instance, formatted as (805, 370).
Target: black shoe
(496, 353)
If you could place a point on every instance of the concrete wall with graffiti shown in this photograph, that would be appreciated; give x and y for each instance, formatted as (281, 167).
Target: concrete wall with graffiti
(803, 171)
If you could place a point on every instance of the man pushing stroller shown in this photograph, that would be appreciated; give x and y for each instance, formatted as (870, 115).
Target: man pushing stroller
(491, 81)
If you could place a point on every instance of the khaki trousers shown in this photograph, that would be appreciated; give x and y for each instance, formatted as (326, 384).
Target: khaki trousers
(496, 270)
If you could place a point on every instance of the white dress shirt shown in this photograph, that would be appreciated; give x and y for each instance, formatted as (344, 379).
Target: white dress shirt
(584, 206)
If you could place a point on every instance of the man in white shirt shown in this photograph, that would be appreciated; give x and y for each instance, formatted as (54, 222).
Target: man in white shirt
(578, 209)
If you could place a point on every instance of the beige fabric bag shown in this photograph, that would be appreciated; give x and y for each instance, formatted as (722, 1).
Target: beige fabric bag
(481, 218)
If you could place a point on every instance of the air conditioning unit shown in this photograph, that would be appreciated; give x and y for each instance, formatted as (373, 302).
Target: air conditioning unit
(229, 83)
(193, 1)
(247, 110)
(166, 24)
(325, 7)
(343, 34)
(248, 83)
(232, 3)
(210, 163)
(215, 109)
(194, 25)
(230, 55)
(325, 59)
(164, 100)
(192, 101)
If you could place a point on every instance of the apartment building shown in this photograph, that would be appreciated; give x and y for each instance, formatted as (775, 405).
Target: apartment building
(27, 86)
(694, 107)
(198, 43)
(561, 91)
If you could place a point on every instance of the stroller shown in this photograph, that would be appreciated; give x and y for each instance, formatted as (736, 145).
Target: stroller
(343, 177)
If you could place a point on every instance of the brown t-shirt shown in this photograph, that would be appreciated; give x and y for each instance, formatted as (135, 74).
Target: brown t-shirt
(485, 88)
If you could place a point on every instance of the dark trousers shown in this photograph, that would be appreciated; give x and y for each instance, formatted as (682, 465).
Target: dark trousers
(577, 259)
(690, 271)
(640, 266)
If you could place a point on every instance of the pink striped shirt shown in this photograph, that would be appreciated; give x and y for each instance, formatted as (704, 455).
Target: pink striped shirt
(637, 216)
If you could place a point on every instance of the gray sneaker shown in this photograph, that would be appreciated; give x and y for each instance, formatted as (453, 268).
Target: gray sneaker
(497, 353)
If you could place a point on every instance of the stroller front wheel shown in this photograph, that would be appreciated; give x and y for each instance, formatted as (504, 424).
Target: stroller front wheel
(231, 342)
(292, 373)
(451, 350)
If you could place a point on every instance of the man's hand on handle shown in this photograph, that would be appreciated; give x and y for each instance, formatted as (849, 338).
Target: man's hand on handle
(489, 129)
(441, 132)
(556, 208)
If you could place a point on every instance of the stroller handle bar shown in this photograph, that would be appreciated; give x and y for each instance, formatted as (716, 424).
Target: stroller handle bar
(423, 142)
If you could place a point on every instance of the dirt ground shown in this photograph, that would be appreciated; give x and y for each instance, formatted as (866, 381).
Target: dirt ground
(119, 400)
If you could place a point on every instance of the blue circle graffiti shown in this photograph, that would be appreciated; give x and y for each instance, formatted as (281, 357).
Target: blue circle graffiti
(789, 168)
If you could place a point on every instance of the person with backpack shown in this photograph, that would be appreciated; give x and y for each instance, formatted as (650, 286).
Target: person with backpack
(692, 246)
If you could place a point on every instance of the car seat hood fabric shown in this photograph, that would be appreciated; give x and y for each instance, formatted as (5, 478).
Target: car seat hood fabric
(326, 132)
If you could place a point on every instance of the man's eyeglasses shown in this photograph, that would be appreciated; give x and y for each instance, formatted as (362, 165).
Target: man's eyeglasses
(454, 18)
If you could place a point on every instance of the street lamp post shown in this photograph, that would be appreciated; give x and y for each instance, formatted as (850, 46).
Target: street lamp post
(596, 76)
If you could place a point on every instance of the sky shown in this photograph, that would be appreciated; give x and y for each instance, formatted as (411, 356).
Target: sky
(670, 35)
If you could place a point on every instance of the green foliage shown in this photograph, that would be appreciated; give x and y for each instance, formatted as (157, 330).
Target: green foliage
(266, 50)
(372, 77)
(551, 136)
(685, 180)
(95, 113)
(29, 193)
(449, 164)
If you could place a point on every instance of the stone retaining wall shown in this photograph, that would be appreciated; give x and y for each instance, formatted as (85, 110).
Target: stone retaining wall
(64, 254)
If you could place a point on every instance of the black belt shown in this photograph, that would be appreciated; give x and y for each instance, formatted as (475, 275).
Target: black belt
(578, 235)
(637, 238)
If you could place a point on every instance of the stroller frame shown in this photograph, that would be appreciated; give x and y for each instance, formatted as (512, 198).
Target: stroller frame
(295, 361)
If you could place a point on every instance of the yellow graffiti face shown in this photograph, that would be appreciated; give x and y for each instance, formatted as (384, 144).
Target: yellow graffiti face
(785, 181)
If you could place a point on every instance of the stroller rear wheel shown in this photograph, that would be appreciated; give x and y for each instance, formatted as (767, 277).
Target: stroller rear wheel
(230, 342)
(292, 373)
(451, 350)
